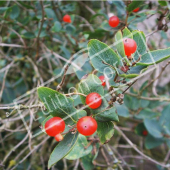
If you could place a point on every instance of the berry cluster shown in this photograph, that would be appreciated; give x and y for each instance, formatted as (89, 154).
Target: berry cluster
(88, 125)
(85, 125)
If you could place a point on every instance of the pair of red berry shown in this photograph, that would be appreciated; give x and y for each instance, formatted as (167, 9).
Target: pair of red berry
(55, 126)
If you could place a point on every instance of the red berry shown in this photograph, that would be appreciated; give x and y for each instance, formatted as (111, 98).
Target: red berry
(136, 10)
(67, 18)
(145, 133)
(130, 46)
(86, 125)
(114, 21)
(102, 78)
(54, 126)
(93, 100)
(124, 68)
(58, 137)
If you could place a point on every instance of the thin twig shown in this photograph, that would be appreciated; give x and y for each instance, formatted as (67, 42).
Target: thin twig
(64, 76)
(150, 98)
(129, 86)
(11, 45)
(3, 82)
(113, 68)
(152, 33)
(20, 107)
(39, 32)
(137, 150)
(69, 94)
(105, 157)
(163, 68)
(76, 164)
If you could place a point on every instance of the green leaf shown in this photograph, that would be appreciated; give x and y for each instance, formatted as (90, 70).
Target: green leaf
(134, 71)
(50, 13)
(73, 41)
(139, 129)
(42, 34)
(99, 53)
(127, 33)
(153, 57)
(15, 11)
(44, 121)
(63, 148)
(151, 142)
(98, 33)
(119, 44)
(99, 14)
(107, 115)
(3, 9)
(122, 110)
(57, 27)
(144, 103)
(154, 128)
(163, 3)
(140, 40)
(79, 149)
(105, 131)
(28, 35)
(70, 29)
(133, 5)
(87, 161)
(168, 143)
(58, 104)
(147, 114)
(25, 5)
(132, 102)
(165, 119)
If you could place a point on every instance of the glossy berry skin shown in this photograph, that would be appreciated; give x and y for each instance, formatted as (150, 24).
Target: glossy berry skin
(58, 137)
(136, 10)
(67, 18)
(93, 100)
(102, 78)
(145, 133)
(130, 46)
(86, 125)
(54, 126)
(114, 21)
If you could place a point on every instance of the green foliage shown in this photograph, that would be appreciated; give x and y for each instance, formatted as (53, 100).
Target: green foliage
(163, 3)
(119, 44)
(105, 131)
(154, 57)
(108, 115)
(152, 142)
(79, 149)
(133, 5)
(99, 53)
(153, 127)
(34, 53)
(63, 148)
(139, 129)
(58, 105)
